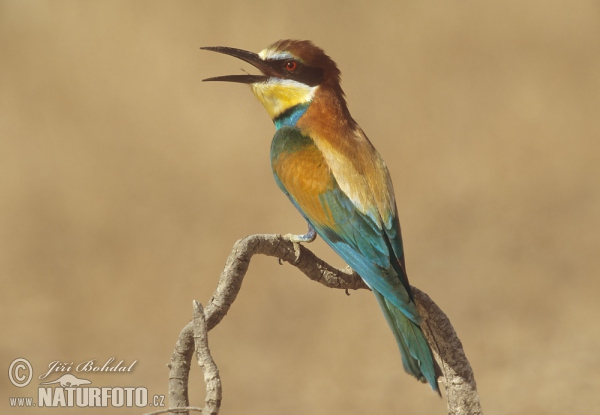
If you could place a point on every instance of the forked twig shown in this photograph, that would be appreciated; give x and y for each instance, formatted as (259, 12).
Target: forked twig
(458, 379)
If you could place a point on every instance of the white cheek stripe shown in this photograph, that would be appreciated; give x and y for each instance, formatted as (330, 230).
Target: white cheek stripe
(273, 54)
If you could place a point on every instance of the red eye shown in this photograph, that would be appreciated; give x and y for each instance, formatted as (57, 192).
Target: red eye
(291, 66)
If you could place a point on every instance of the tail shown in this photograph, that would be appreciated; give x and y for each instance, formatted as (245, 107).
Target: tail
(417, 358)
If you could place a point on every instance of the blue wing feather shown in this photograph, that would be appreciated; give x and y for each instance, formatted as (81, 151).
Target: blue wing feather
(362, 244)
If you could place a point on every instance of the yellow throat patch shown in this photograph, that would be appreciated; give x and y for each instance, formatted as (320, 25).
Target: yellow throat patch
(279, 95)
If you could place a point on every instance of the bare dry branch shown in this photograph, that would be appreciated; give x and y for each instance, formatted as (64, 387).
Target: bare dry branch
(280, 247)
(458, 379)
(206, 362)
(176, 410)
(179, 368)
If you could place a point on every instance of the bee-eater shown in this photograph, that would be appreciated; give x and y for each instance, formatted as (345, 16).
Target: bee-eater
(325, 164)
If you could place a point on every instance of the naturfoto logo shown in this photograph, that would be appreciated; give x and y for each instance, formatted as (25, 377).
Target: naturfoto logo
(60, 387)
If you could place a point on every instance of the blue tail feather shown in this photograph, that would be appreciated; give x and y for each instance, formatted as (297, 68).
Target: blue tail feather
(417, 358)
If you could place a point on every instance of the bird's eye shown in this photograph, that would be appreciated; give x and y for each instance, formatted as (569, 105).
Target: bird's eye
(291, 66)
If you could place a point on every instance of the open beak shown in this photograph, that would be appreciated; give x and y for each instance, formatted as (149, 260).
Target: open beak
(250, 57)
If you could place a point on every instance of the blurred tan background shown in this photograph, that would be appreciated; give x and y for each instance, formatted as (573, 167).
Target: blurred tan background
(124, 182)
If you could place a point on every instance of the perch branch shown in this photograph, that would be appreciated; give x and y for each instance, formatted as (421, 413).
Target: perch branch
(206, 362)
(458, 379)
(176, 410)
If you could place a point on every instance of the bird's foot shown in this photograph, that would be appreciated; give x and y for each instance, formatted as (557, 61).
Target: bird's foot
(308, 237)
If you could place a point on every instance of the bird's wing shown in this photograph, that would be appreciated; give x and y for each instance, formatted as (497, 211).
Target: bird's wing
(357, 233)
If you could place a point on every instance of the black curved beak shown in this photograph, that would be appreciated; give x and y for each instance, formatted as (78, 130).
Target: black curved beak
(250, 57)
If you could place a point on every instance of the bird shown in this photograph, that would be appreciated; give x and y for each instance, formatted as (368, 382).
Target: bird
(331, 172)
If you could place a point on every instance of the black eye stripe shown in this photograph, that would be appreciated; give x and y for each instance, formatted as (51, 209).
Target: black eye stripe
(308, 75)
